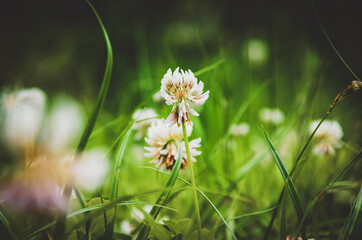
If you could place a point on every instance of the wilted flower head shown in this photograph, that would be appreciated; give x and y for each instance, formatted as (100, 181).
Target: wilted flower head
(240, 129)
(181, 90)
(163, 147)
(273, 116)
(22, 111)
(145, 117)
(327, 135)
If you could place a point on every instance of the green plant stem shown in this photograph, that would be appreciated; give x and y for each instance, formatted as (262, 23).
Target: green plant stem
(193, 181)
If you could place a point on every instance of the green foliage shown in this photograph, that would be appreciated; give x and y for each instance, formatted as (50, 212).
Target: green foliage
(352, 218)
(288, 181)
(237, 181)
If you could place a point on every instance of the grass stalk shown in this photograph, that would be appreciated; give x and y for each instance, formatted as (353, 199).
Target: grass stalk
(61, 218)
(204, 195)
(193, 181)
(164, 196)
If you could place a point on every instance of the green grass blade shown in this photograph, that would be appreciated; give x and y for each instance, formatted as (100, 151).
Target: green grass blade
(250, 165)
(331, 185)
(204, 195)
(289, 181)
(352, 218)
(7, 226)
(283, 218)
(348, 167)
(252, 214)
(60, 226)
(236, 118)
(143, 234)
(126, 132)
(209, 68)
(114, 187)
(330, 42)
(104, 88)
(101, 208)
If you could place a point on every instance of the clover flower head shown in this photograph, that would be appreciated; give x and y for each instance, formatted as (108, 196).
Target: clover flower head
(23, 112)
(144, 116)
(274, 116)
(64, 124)
(240, 129)
(181, 90)
(327, 135)
(163, 147)
(91, 171)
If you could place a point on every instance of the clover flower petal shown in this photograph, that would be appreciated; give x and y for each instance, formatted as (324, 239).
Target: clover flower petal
(163, 147)
(327, 136)
(181, 89)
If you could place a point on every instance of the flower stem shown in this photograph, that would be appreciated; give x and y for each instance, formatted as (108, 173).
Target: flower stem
(193, 181)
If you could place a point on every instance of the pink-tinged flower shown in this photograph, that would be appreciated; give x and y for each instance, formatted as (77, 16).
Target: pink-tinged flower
(38, 188)
(327, 136)
(182, 90)
(163, 147)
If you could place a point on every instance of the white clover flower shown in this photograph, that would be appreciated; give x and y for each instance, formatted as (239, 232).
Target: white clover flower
(91, 170)
(240, 129)
(65, 124)
(144, 116)
(163, 148)
(138, 214)
(274, 116)
(157, 97)
(327, 135)
(23, 112)
(126, 227)
(182, 90)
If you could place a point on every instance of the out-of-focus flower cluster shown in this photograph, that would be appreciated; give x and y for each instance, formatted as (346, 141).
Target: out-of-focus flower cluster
(328, 135)
(240, 129)
(273, 116)
(163, 147)
(42, 143)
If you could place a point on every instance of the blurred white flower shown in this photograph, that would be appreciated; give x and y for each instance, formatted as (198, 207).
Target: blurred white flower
(39, 187)
(327, 136)
(240, 129)
(138, 214)
(65, 125)
(162, 219)
(274, 116)
(126, 227)
(145, 117)
(91, 170)
(163, 147)
(23, 114)
(257, 51)
(181, 90)
(292, 238)
(157, 97)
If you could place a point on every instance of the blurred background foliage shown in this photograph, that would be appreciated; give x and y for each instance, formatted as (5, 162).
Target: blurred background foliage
(278, 46)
